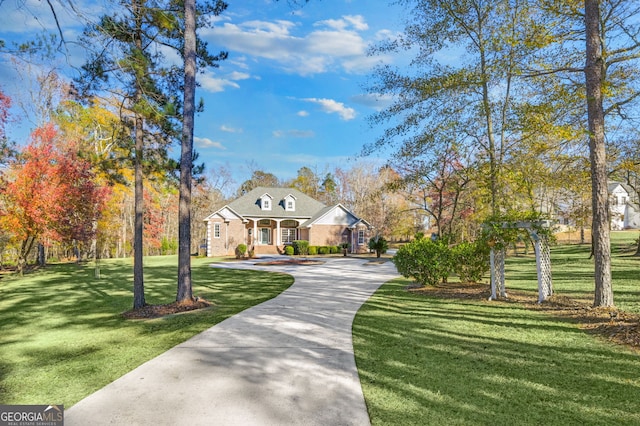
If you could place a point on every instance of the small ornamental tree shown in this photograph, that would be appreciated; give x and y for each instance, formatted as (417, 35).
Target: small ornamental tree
(427, 262)
(241, 251)
(301, 247)
(379, 244)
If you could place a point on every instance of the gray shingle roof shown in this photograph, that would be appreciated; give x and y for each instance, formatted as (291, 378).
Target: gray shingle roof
(249, 204)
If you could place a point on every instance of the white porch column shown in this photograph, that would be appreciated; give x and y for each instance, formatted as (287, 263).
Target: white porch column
(278, 233)
(255, 232)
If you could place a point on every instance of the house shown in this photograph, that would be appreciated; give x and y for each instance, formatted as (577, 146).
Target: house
(268, 219)
(623, 205)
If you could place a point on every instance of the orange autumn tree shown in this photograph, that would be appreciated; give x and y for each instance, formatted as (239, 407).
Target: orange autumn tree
(49, 194)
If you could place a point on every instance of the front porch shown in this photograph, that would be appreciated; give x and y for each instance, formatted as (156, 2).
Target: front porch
(269, 236)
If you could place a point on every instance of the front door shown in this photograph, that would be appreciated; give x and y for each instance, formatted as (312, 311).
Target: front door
(264, 236)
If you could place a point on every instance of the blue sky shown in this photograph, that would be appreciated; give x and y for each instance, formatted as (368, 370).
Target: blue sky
(291, 93)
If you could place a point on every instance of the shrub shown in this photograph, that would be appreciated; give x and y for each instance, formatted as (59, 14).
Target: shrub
(241, 250)
(427, 262)
(252, 253)
(323, 250)
(168, 246)
(301, 247)
(289, 250)
(313, 250)
(379, 244)
(471, 260)
(334, 249)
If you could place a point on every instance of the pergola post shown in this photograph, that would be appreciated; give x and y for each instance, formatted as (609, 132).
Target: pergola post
(543, 265)
(497, 273)
(543, 262)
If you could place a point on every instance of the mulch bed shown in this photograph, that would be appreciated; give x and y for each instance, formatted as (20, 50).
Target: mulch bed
(610, 323)
(158, 311)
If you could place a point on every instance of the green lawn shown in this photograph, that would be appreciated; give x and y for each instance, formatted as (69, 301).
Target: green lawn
(424, 360)
(62, 336)
(572, 272)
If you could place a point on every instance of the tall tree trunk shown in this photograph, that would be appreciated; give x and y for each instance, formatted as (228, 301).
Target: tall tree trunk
(493, 160)
(138, 231)
(138, 272)
(594, 74)
(185, 292)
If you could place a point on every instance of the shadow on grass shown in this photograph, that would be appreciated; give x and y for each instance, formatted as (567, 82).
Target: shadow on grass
(435, 361)
(63, 335)
(573, 273)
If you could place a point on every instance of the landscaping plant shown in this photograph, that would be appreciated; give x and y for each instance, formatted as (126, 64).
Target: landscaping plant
(241, 250)
(301, 247)
(427, 262)
(470, 260)
(379, 244)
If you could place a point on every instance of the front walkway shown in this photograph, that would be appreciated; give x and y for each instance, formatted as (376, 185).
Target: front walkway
(287, 361)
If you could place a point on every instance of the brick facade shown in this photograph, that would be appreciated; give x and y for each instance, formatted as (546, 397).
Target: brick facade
(247, 219)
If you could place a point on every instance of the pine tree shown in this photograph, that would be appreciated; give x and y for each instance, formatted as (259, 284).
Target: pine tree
(129, 64)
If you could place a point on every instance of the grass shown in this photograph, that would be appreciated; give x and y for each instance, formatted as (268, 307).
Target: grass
(572, 272)
(428, 360)
(62, 335)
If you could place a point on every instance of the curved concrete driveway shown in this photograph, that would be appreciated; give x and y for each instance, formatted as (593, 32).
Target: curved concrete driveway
(287, 361)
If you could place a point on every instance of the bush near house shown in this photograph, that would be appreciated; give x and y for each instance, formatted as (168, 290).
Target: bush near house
(313, 250)
(334, 249)
(241, 250)
(323, 250)
(301, 247)
(289, 250)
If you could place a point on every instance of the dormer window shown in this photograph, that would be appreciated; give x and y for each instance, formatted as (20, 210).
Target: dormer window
(265, 202)
(290, 203)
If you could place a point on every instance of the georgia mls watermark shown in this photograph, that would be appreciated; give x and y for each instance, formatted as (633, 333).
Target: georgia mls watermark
(31, 415)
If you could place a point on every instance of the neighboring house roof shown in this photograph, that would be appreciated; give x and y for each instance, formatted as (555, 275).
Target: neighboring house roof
(617, 186)
(612, 186)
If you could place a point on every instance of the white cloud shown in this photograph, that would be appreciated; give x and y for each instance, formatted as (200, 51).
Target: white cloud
(207, 143)
(302, 113)
(212, 83)
(331, 106)
(333, 44)
(230, 129)
(357, 21)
